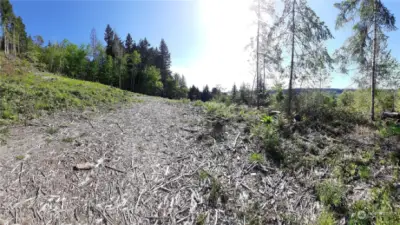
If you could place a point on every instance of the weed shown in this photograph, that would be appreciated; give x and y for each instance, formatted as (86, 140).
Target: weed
(68, 140)
(326, 218)
(215, 193)
(256, 158)
(19, 157)
(360, 213)
(201, 219)
(203, 174)
(198, 103)
(270, 140)
(364, 172)
(330, 193)
(266, 119)
(219, 110)
(52, 130)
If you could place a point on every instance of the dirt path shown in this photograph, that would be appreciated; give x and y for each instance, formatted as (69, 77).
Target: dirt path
(137, 149)
(149, 168)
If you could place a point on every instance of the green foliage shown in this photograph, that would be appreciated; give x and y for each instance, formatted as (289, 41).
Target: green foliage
(330, 193)
(268, 134)
(30, 95)
(389, 129)
(381, 209)
(256, 158)
(364, 172)
(19, 157)
(326, 218)
(152, 81)
(219, 110)
(198, 103)
(266, 119)
(359, 101)
(203, 174)
(67, 140)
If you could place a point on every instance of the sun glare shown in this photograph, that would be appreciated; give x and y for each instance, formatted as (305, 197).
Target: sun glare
(227, 29)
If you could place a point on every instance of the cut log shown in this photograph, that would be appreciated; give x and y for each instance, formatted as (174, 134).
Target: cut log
(84, 166)
(393, 115)
(274, 112)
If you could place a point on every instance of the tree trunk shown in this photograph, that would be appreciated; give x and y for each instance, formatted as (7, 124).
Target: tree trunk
(394, 100)
(292, 60)
(5, 38)
(374, 67)
(14, 44)
(258, 57)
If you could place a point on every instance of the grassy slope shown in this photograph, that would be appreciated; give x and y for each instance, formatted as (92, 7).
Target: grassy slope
(25, 94)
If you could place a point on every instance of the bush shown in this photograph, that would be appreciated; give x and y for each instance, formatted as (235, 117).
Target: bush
(326, 218)
(256, 158)
(330, 193)
(268, 135)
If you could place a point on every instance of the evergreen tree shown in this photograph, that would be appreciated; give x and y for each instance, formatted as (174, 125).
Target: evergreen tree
(194, 93)
(302, 33)
(205, 94)
(234, 93)
(363, 46)
(129, 44)
(7, 15)
(164, 62)
(109, 39)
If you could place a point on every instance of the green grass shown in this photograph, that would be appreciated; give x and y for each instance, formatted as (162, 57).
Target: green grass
(28, 96)
(19, 157)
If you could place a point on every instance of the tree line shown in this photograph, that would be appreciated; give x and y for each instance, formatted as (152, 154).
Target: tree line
(137, 67)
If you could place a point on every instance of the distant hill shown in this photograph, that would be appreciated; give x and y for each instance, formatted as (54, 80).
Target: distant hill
(336, 91)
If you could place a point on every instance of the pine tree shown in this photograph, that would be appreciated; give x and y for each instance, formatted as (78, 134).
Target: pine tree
(109, 39)
(300, 31)
(129, 44)
(7, 14)
(118, 52)
(205, 94)
(234, 93)
(363, 47)
(165, 62)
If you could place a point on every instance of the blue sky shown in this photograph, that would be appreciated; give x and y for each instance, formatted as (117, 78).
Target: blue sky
(206, 38)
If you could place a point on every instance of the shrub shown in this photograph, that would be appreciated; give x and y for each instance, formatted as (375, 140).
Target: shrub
(330, 193)
(326, 218)
(256, 158)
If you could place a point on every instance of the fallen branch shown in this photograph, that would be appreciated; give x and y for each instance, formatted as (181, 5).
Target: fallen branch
(234, 143)
(112, 168)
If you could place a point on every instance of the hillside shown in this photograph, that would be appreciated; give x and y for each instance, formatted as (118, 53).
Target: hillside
(26, 93)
